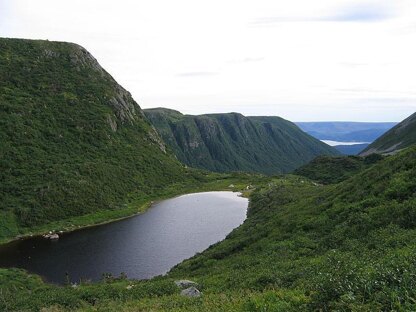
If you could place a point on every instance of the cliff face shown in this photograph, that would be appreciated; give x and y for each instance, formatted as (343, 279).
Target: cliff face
(73, 141)
(233, 142)
(399, 137)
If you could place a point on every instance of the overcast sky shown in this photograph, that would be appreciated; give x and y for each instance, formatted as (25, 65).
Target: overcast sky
(300, 59)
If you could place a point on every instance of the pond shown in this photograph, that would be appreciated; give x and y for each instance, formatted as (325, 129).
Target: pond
(142, 246)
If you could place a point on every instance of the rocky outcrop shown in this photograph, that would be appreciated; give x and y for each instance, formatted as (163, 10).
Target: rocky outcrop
(81, 58)
(124, 106)
(112, 123)
(154, 136)
(50, 54)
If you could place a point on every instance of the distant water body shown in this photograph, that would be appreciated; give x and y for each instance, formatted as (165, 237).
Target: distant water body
(336, 143)
(143, 246)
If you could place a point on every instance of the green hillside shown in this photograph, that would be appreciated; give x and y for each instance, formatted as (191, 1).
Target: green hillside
(73, 141)
(233, 142)
(349, 246)
(399, 137)
(327, 170)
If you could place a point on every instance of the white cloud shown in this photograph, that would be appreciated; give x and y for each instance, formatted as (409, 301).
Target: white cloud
(300, 70)
(353, 11)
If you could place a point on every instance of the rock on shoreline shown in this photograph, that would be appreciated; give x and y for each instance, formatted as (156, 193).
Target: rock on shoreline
(51, 236)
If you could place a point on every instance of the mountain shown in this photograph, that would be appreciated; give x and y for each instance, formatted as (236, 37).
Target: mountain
(233, 142)
(346, 131)
(73, 141)
(398, 138)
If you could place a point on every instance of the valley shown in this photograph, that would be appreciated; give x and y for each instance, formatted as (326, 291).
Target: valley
(303, 246)
(322, 231)
(233, 142)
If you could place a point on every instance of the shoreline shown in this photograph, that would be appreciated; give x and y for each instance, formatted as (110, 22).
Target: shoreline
(40, 233)
(141, 209)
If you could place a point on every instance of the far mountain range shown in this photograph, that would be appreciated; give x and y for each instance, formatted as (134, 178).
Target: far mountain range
(347, 137)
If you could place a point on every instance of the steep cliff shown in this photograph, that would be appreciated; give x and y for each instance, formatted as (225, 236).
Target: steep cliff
(233, 142)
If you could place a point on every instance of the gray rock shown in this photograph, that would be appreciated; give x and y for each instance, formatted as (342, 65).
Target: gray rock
(81, 58)
(112, 122)
(185, 283)
(54, 236)
(191, 292)
(50, 54)
(51, 236)
(154, 136)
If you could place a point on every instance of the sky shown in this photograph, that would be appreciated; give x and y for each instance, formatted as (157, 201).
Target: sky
(322, 60)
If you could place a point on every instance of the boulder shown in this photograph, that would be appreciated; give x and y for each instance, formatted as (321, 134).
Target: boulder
(54, 236)
(51, 236)
(191, 292)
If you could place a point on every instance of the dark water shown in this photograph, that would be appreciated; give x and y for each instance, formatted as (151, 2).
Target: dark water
(142, 247)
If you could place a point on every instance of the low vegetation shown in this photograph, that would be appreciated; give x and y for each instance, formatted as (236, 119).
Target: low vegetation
(77, 150)
(328, 170)
(348, 247)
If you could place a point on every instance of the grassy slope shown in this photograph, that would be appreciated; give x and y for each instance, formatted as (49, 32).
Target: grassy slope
(399, 137)
(232, 142)
(327, 170)
(349, 246)
(73, 142)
